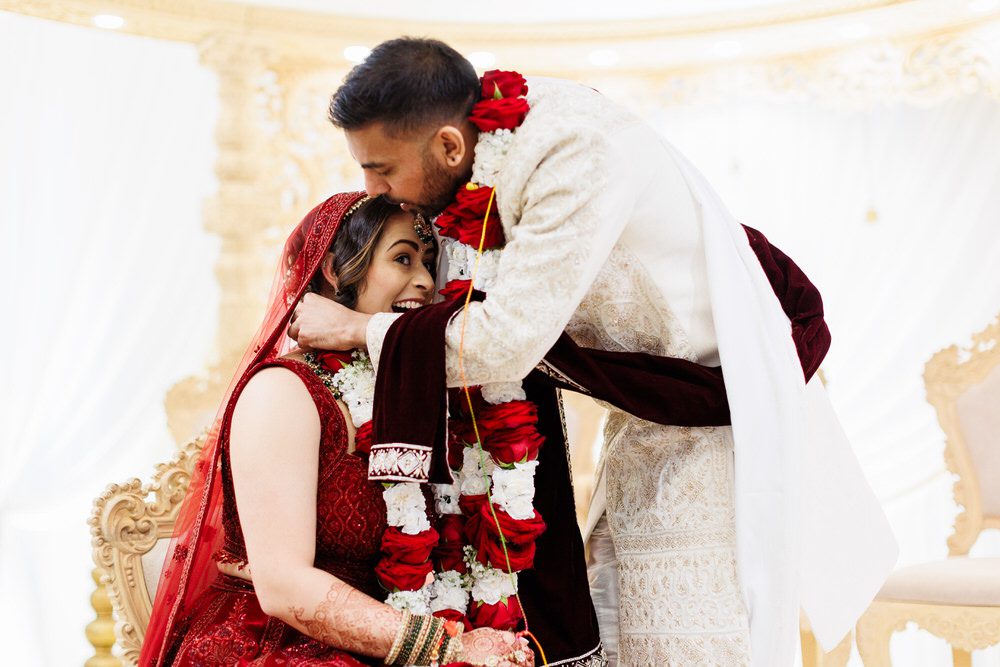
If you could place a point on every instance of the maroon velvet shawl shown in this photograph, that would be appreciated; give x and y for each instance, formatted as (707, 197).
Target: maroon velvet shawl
(411, 408)
(410, 396)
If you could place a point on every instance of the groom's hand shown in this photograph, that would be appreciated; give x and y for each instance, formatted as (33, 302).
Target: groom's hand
(322, 324)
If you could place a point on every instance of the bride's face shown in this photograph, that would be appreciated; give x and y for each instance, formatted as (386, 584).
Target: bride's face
(399, 277)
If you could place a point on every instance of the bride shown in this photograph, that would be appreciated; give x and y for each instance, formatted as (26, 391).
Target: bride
(281, 487)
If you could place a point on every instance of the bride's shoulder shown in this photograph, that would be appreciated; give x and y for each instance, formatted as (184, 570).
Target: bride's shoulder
(274, 390)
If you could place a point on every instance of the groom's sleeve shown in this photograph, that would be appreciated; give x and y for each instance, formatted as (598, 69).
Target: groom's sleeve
(573, 206)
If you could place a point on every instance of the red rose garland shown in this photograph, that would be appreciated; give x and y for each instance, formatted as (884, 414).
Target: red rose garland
(493, 431)
(408, 542)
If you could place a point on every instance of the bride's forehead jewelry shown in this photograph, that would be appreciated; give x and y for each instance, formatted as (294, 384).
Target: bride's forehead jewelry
(423, 229)
(356, 205)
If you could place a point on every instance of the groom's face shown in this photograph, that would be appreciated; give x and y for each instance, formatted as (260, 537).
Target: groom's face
(419, 170)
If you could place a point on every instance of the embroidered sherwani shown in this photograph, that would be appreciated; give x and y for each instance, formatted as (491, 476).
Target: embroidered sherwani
(606, 241)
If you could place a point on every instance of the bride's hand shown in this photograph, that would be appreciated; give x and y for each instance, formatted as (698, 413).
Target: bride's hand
(486, 646)
(323, 324)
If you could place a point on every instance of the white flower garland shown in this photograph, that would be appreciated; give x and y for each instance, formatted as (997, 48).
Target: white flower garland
(405, 505)
(356, 384)
(513, 489)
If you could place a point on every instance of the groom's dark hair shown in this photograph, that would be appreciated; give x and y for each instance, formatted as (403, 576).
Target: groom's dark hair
(406, 83)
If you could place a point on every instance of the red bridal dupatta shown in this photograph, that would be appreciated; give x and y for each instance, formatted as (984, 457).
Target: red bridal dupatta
(189, 567)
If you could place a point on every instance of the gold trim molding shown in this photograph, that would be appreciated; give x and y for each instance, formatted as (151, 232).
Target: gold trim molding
(554, 48)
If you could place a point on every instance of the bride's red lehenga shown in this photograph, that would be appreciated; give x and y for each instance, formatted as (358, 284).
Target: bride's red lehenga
(203, 617)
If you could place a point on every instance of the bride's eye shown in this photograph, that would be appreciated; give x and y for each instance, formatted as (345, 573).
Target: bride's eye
(403, 259)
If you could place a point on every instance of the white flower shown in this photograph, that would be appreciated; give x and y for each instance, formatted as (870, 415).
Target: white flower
(462, 264)
(406, 508)
(491, 585)
(514, 489)
(491, 151)
(487, 584)
(449, 592)
(503, 392)
(418, 601)
(356, 384)
(446, 498)
(473, 480)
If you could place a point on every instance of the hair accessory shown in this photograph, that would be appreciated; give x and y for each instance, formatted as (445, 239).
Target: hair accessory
(356, 205)
(423, 229)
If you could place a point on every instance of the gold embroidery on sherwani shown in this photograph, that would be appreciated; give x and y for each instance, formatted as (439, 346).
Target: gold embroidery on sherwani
(669, 496)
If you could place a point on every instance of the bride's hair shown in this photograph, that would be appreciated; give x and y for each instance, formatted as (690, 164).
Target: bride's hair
(353, 248)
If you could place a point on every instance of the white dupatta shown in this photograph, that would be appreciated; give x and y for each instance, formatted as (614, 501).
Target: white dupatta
(810, 532)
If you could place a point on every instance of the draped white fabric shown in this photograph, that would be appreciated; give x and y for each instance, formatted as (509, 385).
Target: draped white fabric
(924, 275)
(107, 153)
(109, 297)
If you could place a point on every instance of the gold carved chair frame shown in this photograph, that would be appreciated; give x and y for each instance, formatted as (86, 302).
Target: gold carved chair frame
(947, 376)
(128, 522)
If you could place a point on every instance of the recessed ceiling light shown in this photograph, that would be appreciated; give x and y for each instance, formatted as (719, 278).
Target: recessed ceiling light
(603, 57)
(356, 53)
(727, 48)
(108, 21)
(856, 30)
(482, 59)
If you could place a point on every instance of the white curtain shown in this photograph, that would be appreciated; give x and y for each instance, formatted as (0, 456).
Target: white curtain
(108, 299)
(924, 275)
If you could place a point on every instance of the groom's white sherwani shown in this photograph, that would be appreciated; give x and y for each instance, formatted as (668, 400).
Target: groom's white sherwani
(718, 535)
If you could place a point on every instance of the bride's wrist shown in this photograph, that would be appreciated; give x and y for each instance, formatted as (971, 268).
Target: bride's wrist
(425, 640)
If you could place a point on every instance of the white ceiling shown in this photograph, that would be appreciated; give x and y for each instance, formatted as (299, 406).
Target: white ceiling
(536, 11)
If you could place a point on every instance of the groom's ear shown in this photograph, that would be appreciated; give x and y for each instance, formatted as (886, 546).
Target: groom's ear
(451, 145)
(326, 266)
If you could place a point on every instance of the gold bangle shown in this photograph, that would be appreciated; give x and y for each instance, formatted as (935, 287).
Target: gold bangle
(397, 643)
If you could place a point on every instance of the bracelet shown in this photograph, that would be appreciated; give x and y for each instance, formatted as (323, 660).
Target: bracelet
(451, 643)
(397, 643)
(418, 641)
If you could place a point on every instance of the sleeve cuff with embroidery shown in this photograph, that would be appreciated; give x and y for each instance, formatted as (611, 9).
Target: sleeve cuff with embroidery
(378, 325)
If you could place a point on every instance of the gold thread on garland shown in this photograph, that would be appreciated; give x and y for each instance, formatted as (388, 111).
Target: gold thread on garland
(475, 427)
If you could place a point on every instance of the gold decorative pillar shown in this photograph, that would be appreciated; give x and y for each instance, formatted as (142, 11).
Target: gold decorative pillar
(101, 631)
(244, 214)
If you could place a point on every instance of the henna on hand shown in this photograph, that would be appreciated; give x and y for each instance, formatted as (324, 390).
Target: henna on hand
(482, 644)
(349, 619)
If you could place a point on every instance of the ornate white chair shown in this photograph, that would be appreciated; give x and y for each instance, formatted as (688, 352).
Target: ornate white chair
(131, 524)
(957, 599)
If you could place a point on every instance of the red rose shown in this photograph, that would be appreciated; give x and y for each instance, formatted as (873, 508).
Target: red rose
(363, 439)
(470, 505)
(504, 114)
(459, 403)
(396, 576)
(454, 289)
(448, 552)
(501, 616)
(463, 219)
(410, 549)
(508, 84)
(512, 414)
(514, 445)
(520, 536)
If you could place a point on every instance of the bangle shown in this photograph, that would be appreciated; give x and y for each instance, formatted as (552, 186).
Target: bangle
(397, 643)
(451, 644)
(418, 640)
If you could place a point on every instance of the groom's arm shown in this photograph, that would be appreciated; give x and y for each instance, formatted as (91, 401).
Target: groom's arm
(574, 205)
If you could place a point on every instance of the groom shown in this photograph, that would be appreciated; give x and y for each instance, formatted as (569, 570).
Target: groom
(705, 541)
